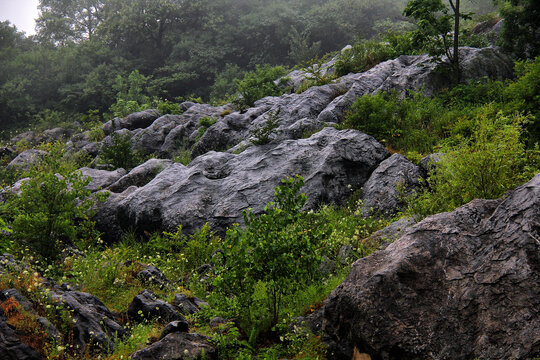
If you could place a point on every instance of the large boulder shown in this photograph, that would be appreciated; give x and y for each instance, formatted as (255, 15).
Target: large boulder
(94, 327)
(141, 175)
(138, 120)
(147, 306)
(216, 187)
(458, 285)
(25, 160)
(394, 178)
(178, 346)
(100, 179)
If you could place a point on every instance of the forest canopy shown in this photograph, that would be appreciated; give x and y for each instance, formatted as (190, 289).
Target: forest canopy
(84, 51)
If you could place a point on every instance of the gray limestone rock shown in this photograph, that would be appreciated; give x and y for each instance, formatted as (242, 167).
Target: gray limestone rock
(216, 187)
(141, 175)
(138, 120)
(94, 326)
(25, 160)
(100, 179)
(147, 306)
(381, 193)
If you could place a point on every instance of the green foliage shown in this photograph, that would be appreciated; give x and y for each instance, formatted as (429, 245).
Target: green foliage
(413, 124)
(192, 250)
(204, 123)
(182, 156)
(224, 86)
(520, 28)
(366, 54)
(53, 209)
(438, 30)
(272, 257)
(523, 96)
(261, 135)
(258, 84)
(315, 74)
(493, 156)
(168, 107)
(301, 47)
(120, 154)
(133, 94)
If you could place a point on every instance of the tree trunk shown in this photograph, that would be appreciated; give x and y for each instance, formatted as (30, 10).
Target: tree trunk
(455, 56)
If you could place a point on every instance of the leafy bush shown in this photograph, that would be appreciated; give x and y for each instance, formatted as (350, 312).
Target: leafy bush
(414, 124)
(132, 92)
(53, 208)
(167, 107)
(367, 53)
(375, 115)
(315, 74)
(523, 96)
(261, 135)
(120, 154)
(485, 166)
(258, 84)
(273, 256)
(204, 123)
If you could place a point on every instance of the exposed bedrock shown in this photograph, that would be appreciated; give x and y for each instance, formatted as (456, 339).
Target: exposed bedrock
(299, 114)
(216, 187)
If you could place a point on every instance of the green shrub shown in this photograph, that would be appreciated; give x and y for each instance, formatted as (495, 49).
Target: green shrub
(273, 256)
(204, 123)
(167, 107)
(485, 166)
(53, 209)
(120, 154)
(415, 124)
(315, 74)
(261, 135)
(374, 114)
(523, 96)
(183, 156)
(258, 84)
(367, 53)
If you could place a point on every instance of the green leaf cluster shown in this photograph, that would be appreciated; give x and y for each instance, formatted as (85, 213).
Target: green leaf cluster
(53, 209)
(258, 84)
(275, 254)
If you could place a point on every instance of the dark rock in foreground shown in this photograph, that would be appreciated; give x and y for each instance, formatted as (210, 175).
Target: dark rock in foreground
(11, 347)
(216, 187)
(178, 346)
(147, 306)
(457, 285)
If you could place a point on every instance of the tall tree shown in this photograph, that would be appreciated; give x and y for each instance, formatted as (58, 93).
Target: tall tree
(438, 29)
(521, 27)
(63, 21)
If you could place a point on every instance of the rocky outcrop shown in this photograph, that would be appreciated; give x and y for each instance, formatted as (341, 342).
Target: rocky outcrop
(458, 285)
(138, 120)
(307, 112)
(94, 326)
(178, 346)
(394, 178)
(11, 347)
(216, 187)
(25, 160)
(100, 179)
(147, 306)
(141, 175)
